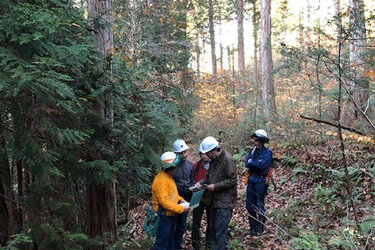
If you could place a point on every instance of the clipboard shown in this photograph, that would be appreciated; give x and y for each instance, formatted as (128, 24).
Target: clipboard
(196, 198)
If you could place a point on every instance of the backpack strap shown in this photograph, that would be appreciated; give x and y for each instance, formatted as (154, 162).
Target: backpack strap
(197, 167)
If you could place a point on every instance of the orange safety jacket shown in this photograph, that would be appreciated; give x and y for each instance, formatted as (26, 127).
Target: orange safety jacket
(164, 193)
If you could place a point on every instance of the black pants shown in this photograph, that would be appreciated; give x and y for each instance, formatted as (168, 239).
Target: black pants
(195, 234)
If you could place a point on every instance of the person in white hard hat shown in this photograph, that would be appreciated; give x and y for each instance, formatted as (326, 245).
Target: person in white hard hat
(165, 201)
(184, 178)
(258, 161)
(222, 183)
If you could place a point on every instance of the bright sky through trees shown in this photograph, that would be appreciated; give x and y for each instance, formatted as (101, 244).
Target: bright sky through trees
(228, 35)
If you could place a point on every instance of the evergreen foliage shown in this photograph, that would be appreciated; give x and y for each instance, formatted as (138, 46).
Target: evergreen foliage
(50, 134)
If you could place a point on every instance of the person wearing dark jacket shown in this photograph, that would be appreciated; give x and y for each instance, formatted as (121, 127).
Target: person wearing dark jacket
(222, 182)
(200, 170)
(184, 179)
(258, 162)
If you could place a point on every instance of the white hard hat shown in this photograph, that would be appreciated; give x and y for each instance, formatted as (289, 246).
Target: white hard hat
(209, 143)
(169, 159)
(200, 148)
(261, 134)
(179, 145)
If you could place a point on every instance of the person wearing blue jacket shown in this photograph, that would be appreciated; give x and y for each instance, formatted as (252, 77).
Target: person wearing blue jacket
(184, 179)
(258, 162)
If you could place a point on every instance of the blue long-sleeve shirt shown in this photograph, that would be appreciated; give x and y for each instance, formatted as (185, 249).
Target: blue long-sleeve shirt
(260, 162)
(184, 178)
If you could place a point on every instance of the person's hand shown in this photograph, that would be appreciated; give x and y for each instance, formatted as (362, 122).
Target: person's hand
(198, 185)
(211, 187)
(182, 200)
(185, 205)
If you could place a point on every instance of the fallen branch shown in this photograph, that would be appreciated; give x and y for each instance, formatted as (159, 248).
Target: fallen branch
(135, 242)
(274, 232)
(363, 170)
(334, 125)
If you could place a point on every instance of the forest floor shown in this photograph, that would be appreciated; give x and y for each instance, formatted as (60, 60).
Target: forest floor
(292, 208)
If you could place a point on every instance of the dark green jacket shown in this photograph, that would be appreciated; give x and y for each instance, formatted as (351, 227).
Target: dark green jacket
(223, 174)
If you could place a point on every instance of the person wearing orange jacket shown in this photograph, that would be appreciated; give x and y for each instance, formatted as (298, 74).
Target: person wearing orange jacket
(167, 202)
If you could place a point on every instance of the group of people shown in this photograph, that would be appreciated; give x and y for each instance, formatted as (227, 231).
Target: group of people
(216, 172)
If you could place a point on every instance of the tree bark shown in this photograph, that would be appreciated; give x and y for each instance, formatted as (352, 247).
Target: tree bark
(233, 70)
(220, 44)
(347, 181)
(4, 204)
(359, 85)
(256, 84)
(198, 53)
(268, 94)
(101, 198)
(101, 210)
(317, 72)
(212, 36)
(20, 185)
(241, 47)
(229, 59)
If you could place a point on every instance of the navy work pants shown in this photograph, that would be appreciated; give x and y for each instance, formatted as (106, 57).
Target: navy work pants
(165, 238)
(180, 229)
(255, 193)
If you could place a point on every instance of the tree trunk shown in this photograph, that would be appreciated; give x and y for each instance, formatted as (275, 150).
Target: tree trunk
(101, 199)
(221, 57)
(4, 205)
(347, 180)
(317, 72)
(267, 65)
(241, 47)
(198, 52)
(229, 59)
(9, 226)
(101, 210)
(20, 184)
(220, 44)
(232, 53)
(301, 30)
(309, 22)
(338, 25)
(359, 85)
(346, 102)
(255, 67)
(4, 217)
(212, 36)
